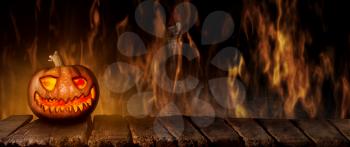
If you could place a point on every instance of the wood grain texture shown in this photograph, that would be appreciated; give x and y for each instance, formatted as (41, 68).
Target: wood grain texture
(110, 130)
(45, 133)
(321, 132)
(285, 133)
(183, 131)
(114, 130)
(251, 132)
(35, 133)
(12, 123)
(343, 125)
(149, 132)
(71, 134)
(217, 131)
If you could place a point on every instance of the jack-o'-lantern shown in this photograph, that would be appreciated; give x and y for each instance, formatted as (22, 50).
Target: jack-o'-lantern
(63, 92)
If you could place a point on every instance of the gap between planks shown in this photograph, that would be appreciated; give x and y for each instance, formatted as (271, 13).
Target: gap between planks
(166, 131)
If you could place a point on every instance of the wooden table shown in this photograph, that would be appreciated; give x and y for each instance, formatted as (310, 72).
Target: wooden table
(114, 130)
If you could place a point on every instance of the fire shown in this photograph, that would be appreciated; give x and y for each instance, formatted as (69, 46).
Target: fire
(344, 86)
(281, 53)
(160, 63)
(235, 91)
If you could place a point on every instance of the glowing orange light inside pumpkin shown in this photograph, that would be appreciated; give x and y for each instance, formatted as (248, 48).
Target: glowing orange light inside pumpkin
(80, 82)
(48, 83)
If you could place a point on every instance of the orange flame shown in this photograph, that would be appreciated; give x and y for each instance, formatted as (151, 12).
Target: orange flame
(281, 53)
(345, 96)
(280, 56)
(235, 95)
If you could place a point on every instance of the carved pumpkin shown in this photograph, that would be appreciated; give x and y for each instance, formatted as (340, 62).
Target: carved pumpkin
(63, 92)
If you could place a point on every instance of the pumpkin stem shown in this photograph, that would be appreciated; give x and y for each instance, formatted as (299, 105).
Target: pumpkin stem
(56, 59)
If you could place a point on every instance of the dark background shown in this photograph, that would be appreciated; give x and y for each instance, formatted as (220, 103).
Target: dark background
(44, 25)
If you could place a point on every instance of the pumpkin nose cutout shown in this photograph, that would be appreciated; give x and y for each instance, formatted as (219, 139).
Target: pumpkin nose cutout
(80, 82)
(48, 82)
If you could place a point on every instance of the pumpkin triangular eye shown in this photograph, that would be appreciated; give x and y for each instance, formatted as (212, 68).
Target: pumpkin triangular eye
(48, 82)
(80, 82)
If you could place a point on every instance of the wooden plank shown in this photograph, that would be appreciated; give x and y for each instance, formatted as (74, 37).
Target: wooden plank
(45, 133)
(285, 133)
(71, 134)
(149, 132)
(35, 133)
(343, 125)
(217, 131)
(12, 123)
(110, 130)
(183, 131)
(251, 132)
(321, 132)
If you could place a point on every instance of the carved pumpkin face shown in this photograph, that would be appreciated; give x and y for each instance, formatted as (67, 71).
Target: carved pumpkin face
(63, 92)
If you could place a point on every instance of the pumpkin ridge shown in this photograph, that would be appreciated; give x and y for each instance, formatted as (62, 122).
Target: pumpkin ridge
(63, 98)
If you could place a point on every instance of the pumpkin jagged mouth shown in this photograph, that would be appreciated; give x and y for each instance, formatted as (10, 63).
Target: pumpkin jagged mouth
(70, 105)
